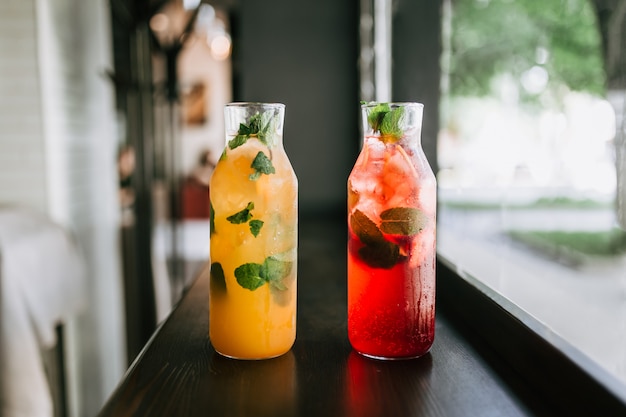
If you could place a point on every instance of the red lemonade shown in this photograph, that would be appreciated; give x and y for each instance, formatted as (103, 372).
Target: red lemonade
(391, 242)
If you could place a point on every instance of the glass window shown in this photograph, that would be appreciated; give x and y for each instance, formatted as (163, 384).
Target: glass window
(528, 172)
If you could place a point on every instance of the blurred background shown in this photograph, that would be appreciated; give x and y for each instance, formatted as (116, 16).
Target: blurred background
(111, 121)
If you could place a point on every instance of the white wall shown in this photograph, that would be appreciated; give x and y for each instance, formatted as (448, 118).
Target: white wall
(22, 167)
(57, 155)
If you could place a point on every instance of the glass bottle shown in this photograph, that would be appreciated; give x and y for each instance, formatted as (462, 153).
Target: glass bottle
(392, 198)
(254, 223)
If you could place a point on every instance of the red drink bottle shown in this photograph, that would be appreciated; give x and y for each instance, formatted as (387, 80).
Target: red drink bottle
(392, 197)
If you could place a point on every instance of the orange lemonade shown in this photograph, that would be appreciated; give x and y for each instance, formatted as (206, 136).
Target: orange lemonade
(253, 193)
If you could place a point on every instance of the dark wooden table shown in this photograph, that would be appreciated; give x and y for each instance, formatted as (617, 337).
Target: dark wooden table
(178, 373)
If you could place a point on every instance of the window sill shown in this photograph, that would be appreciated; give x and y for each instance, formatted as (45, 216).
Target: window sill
(526, 353)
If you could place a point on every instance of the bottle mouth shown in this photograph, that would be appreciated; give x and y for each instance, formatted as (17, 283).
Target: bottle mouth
(392, 104)
(246, 104)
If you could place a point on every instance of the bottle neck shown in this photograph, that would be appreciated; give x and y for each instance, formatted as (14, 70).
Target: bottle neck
(397, 124)
(235, 140)
(260, 121)
(408, 141)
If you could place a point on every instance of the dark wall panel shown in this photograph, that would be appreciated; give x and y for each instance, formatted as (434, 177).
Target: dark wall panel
(304, 54)
(416, 69)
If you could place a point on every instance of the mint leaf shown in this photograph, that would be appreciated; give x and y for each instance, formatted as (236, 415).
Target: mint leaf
(261, 165)
(237, 141)
(252, 275)
(241, 216)
(255, 227)
(259, 125)
(255, 124)
(364, 228)
(245, 130)
(218, 280)
(406, 221)
(278, 285)
(249, 276)
(244, 133)
(377, 252)
(386, 121)
(381, 255)
(211, 218)
(244, 216)
(376, 116)
(266, 128)
(274, 271)
(391, 123)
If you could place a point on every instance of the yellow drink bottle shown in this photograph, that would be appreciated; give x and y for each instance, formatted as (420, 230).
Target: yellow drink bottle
(254, 235)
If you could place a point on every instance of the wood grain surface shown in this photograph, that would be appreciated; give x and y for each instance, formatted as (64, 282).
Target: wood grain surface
(179, 374)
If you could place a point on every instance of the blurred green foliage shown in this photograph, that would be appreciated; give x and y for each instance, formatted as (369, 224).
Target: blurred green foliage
(491, 37)
(595, 243)
(557, 203)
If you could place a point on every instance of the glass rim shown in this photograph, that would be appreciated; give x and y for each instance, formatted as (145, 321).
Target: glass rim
(255, 104)
(372, 104)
